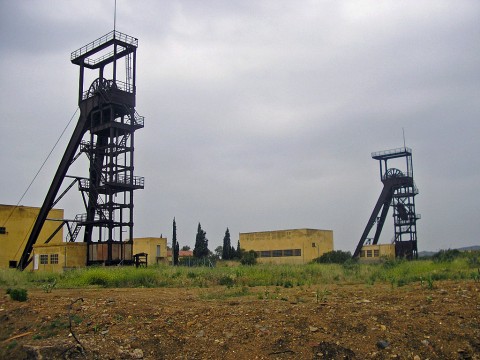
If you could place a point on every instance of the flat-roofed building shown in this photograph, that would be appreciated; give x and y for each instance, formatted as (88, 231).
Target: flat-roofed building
(56, 257)
(372, 253)
(51, 252)
(15, 226)
(295, 246)
(154, 247)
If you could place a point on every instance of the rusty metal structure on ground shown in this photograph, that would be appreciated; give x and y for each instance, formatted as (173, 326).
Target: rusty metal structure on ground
(105, 134)
(399, 191)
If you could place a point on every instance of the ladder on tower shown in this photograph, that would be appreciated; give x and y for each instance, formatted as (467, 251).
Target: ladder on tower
(128, 71)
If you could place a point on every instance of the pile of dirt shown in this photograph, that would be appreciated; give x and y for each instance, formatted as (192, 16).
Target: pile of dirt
(322, 322)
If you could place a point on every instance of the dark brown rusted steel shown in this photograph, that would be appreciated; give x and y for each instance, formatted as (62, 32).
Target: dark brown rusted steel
(398, 192)
(109, 120)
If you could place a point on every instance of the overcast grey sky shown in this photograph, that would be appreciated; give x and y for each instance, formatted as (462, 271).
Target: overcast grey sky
(260, 115)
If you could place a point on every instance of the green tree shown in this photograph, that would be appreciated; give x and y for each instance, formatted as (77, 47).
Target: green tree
(218, 252)
(228, 251)
(238, 252)
(186, 248)
(201, 244)
(176, 253)
(249, 258)
(175, 246)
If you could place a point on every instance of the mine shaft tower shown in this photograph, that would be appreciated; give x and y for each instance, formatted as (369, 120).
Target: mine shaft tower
(105, 134)
(398, 192)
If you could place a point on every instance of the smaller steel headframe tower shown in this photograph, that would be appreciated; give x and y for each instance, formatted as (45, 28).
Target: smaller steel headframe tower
(398, 192)
(105, 133)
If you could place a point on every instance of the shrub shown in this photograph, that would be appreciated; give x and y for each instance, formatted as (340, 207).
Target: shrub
(17, 294)
(226, 280)
(334, 257)
(249, 258)
(351, 265)
(446, 255)
(473, 259)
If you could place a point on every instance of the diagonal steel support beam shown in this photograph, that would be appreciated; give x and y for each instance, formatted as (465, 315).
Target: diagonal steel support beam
(383, 201)
(53, 190)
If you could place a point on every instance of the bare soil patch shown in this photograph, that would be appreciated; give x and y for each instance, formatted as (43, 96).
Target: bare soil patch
(323, 322)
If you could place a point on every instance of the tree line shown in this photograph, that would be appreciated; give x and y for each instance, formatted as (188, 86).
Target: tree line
(201, 251)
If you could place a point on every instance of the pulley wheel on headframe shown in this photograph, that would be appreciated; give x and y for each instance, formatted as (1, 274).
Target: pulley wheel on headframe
(392, 173)
(100, 84)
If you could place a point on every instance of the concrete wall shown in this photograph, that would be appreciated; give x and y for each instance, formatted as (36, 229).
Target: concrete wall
(377, 252)
(15, 226)
(156, 248)
(296, 246)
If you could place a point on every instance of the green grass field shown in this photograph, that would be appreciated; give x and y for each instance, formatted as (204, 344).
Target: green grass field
(397, 273)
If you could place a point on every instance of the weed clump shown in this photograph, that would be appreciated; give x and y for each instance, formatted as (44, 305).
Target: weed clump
(226, 280)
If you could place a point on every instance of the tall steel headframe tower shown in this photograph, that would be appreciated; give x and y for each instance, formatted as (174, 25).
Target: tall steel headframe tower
(105, 134)
(398, 192)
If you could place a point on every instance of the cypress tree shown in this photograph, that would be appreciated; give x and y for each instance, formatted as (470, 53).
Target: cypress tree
(176, 253)
(175, 246)
(227, 252)
(201, 244)
(238, 253)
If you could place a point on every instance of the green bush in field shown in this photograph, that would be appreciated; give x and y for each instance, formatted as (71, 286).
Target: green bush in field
(226, 280)
(351, 265)
(334, 257)
(18, 294)
(473, 259)
(446, 255)
(249, 258)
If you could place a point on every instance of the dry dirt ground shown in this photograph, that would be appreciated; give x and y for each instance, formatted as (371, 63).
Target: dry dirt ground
(331, 322)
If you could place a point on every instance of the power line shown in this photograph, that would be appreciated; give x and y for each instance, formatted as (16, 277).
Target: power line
(41, 167)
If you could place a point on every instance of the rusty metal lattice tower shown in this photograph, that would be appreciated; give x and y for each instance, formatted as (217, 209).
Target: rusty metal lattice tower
(105, 133)
(399, 191)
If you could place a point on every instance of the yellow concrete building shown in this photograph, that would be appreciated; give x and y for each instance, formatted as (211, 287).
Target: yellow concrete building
(59, 257)
(296, 246)
(68, 255)
(15, 225)
(372, 253)
(155, 248)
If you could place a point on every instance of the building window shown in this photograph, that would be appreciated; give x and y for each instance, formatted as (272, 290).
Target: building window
(376, 253)
(277, 253)
(288, 252)
(369, 253)
(314, 245)
(3, 230)
(12, 264)
(362, 253)
(43, 259)
(53, 258)
(158, 250)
